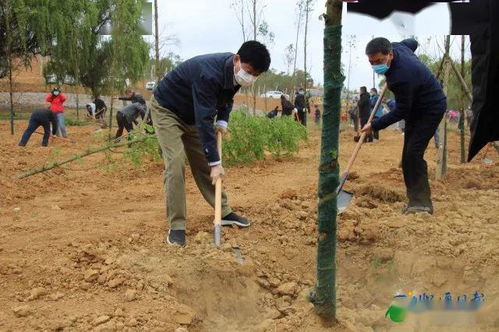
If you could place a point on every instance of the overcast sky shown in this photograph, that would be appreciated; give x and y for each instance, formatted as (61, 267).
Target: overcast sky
(210, 26)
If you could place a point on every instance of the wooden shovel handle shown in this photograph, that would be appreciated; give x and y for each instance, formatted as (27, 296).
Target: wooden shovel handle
(218, 186)
(363, 135)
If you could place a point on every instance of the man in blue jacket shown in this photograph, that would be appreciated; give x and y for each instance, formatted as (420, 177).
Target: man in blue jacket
(420, 101)
(184, 108)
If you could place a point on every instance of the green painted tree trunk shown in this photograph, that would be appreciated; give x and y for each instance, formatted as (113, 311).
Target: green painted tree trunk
(463, 103)
(323, 296)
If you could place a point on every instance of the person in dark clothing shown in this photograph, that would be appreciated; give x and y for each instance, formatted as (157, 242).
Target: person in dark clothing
(134, 97)
(184, 107)
(300, 106)
(97, 110)
(274, 113)
(364, 106)
(127, 117)
(379, 111)
(43, 118)
(317, 115)
(287, 107)
(354, 115)
(420, 101)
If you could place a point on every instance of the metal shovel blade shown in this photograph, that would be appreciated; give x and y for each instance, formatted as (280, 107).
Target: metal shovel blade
(218, 235)
(343, 200)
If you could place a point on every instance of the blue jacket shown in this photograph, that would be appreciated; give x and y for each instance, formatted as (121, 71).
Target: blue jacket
(417, 91)
(379, 111)
(197, 91)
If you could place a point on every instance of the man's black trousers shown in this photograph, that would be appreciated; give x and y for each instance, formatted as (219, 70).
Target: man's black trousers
(418, 133)
(34, 123)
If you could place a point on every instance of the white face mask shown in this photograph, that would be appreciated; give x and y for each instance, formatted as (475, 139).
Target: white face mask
(56, 93)
(243, 78)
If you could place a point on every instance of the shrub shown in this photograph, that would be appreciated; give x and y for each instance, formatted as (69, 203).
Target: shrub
(251, 136)
(69, 121)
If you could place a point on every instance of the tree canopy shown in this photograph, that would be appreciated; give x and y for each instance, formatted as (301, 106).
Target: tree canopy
(68, 31)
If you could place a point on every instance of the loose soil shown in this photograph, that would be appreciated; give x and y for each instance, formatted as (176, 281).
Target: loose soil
(81, 247)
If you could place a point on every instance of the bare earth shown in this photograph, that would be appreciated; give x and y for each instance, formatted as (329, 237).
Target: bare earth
(81, 247)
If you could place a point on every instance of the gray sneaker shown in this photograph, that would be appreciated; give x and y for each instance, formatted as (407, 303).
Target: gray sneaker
(234, 219)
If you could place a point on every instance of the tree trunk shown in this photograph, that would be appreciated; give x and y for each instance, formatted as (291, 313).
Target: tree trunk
(463, 103)
(323, 296)
(8, 54)
(111, 118)
(77, 105)
(255, 22)
(300, 14)
(243, 28)
(156, 41)
(442, 150)
(307, 10)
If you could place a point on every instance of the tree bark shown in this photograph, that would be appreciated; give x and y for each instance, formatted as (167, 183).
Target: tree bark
(307, 10)
(323, 295)
(463, 103)
(255, 21)
(441, 169)
(8, 53)
(300, 15)
(156, 41)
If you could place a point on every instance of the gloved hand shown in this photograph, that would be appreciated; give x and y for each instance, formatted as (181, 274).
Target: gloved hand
(217, 172)
(221, 126)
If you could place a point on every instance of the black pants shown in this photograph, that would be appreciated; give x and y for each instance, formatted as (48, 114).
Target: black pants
(418, 134)
(355, 120)
(33, 125)
(122, 124)
(363, 122)
(302, 116)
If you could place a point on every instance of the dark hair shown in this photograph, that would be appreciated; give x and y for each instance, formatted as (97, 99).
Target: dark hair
(256, 54)
(379, 45)
(363, 88)
(374, 89)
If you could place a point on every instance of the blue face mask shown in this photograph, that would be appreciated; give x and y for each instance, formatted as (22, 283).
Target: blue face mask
(381, 69)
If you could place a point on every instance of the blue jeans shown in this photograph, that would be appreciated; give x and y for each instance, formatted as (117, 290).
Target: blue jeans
(61, 129)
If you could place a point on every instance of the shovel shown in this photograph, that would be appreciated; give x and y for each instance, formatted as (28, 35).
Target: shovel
(345, 197)
(218, 198)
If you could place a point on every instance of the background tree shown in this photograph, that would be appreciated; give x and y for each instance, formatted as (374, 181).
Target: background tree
(299, 19)
(239, 7)
(99, 63)
(289, 57)
(20, 36)
(308, 8)
(275, 80)
(260, 29)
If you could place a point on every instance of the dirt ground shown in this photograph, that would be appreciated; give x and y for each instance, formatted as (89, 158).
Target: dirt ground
(81, 247)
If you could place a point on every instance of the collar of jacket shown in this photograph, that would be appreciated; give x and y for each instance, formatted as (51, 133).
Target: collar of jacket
(229, 74)
(394, 62)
